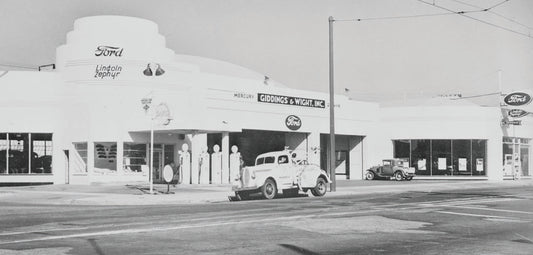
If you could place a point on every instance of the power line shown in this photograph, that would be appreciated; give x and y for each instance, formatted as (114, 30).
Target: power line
(495, 13)
(482, 95)
(396, 17)
(18, 66)
(476, 19)
(496, 5)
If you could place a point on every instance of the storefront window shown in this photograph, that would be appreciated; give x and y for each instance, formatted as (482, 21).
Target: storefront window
(462, 164)
(79, 160)
(507, 159)
(134, 157)
(401, 149)
(420, 156)
(19, 153)
(25, 153)
(3, 153)
(105, 157)
(444, 157)
(441, 157)
(479, 155)
(41, 160)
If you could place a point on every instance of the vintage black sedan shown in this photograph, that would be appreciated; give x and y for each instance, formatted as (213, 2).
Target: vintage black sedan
(396, 168)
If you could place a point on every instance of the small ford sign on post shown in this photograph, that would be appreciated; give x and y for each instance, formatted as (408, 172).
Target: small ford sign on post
(293, 122)
(517, 113)
(517, 99)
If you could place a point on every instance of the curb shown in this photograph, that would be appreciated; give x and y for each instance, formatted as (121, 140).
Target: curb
(205, 194)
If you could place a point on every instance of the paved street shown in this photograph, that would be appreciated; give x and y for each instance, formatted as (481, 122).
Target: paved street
(460, 221)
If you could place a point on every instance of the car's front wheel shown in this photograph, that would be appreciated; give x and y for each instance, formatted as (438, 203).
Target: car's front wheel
(269, 189)
(409, 178)
(320, 188)
(369, 175)
(398, 176)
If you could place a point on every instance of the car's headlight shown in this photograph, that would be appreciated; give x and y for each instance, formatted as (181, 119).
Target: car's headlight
(252, 175)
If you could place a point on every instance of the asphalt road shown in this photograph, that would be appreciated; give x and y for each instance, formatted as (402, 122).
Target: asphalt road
(448, 222)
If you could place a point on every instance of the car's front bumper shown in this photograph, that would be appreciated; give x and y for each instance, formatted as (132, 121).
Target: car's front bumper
(238, 188)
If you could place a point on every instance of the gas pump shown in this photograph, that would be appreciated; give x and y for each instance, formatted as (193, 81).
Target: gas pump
(508, 165)
(185, 164)
(216, 165)
(517, 174)
(203, 165)
(234, 163)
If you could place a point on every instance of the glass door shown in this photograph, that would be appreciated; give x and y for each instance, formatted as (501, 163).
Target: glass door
(157, 165)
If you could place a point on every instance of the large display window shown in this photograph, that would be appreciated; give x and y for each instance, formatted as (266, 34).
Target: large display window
(105, 157)
(135, 156)
(41, 147)
(461, 157)
(26, 153)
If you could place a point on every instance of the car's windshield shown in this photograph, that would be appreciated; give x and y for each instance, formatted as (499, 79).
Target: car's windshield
(283, 159)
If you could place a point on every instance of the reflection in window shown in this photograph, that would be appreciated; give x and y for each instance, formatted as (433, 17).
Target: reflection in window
(134, 157)
(41, 160)
(19, 153)
(79, 159)
(105, 155)
(25, 153)
(401, 149)
(420, 156)
(461, 157)
(441, 157)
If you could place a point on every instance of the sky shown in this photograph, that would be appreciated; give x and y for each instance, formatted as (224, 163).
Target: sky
(378, 58)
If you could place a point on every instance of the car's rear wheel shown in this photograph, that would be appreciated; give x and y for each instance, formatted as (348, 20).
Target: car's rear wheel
(320, 188)
(398, 176)
(269, 189)
(369, 175)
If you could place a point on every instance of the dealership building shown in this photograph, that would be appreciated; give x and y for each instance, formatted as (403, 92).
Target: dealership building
(115, 88)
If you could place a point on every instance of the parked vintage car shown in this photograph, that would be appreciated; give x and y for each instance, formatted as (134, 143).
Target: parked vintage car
(396, 168)
(280, 172)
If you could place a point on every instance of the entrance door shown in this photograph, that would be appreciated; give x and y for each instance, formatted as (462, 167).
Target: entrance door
(157, 165)
(342, 163)
(524, 160)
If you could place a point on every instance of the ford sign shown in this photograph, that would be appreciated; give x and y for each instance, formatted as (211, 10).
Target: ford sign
(517, 113)
(517, 99)
(293, 122)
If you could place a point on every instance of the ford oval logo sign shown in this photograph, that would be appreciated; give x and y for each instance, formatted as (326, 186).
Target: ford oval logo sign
(517, 99)
(293, 122)
(517, 113)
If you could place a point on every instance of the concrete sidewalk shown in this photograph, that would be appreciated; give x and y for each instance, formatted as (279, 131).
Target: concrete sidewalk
(138, 193)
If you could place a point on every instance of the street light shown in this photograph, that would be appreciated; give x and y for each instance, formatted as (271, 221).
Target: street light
(146, 106)
(332, 160)
(151, 70)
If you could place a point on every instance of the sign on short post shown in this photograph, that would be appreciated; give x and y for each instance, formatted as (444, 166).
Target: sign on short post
(168, 175)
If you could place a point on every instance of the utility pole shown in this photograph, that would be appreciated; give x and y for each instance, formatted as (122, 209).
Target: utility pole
(332, 157)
